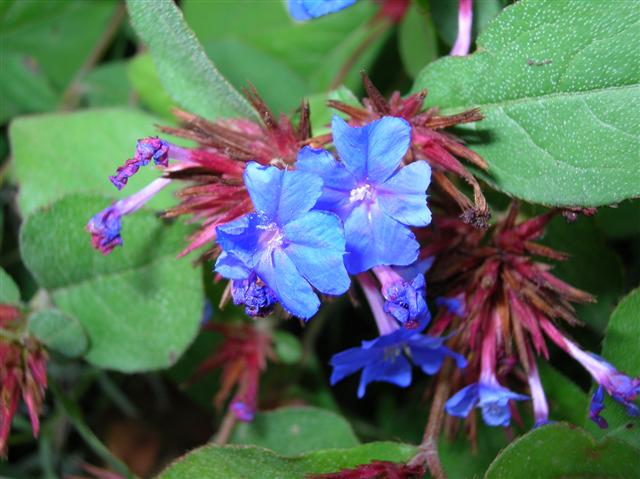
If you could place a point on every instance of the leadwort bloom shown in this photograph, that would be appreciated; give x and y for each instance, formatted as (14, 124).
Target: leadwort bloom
(375, 197)
(284, 244)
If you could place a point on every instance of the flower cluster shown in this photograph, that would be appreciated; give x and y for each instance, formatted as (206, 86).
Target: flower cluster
(23, 372)
(510, 303)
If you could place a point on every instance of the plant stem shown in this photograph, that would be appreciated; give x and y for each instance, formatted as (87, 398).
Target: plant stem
(226, 428)
(428, 449)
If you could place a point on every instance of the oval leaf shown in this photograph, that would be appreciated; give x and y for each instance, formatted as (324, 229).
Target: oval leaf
(184, 68)
(295, 430)
(559, 451)
(59, 332)
(140, 306)
(9, 292)
(558, 83)
(241, 462)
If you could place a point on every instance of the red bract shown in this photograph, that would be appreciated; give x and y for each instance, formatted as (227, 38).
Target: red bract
(441, 149)
(242, 357)
(217, 194)
(504, 290)
(376, 470)
(23, 371)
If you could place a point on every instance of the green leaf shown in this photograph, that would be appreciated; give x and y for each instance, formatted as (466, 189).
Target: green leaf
(592, 266)
(9, 292)
(314, 50)
(140, 305)
(43, 46)
(458, 460)
(417, 40)
(567, 402)
(558, 84)
(241, 462)
(621, 221)
(273, 73)
(559, 451)
(58, 154)
(185, 71)
(59, 332)
(146, 83)
(287, 347)
(445, 17)
(321, 114)
(621, 347)
(296, 430)
(107, 85)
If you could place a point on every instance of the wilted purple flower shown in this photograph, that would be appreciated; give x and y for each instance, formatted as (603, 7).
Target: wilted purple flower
(465, 22)
(147, 149)
(405, 300)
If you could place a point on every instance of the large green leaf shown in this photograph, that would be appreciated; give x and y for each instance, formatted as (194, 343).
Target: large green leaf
(417, 40)
(592, 266)
(567, 402)
(9, 292)
(241, 462)
(107, 85)
(144, 79)
(314, 50)
(621, 347)
(43, 44)
(58, 154)
(59, 332)
(560, 451)
(140, 306)
(296, 430)
(185, 71)
(558, 83)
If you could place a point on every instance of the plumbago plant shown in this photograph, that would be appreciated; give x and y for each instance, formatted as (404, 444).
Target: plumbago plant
(353, 239)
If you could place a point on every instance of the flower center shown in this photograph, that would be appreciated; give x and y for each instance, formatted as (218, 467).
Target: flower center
(271, 236)
(362, 193)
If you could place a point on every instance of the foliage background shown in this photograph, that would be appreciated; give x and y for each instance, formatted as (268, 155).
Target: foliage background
(558, 82)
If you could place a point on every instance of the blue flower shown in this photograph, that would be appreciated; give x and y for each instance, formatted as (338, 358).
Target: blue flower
(384, 358)
(302, 10)
(376, 198)
(288, 247)
(406, 301)
(489, 396)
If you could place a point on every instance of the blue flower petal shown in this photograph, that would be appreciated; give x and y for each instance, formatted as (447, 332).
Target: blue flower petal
(348, 362)
(395, 370)
(374, 151)
(316, 247)
(374, 239)
(496, 413)
(461, 403)
(302, 10)
(293, 291)
(428, 353)
(404, 196)
(281, 195)
(231, 267)
(337, 181)
(241, 237)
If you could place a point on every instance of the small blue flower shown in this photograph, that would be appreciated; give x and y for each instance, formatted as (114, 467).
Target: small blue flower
(384, 359)
(302, 10)
(376, 198)
(288, 247)
(596, 407)
(489, 396)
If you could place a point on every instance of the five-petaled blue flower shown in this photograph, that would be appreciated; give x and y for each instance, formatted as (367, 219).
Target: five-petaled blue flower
(376, 198)
(302, 10)
(383, 359)
(288, 247)
(489, 396)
